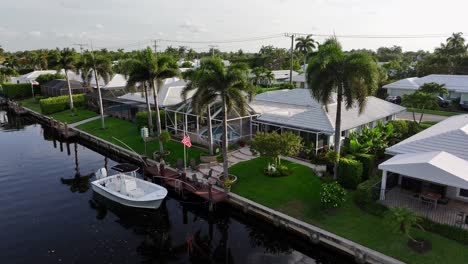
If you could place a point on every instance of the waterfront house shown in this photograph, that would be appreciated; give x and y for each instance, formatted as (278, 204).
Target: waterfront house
(295, 110)
(457, 86)
(429, 172)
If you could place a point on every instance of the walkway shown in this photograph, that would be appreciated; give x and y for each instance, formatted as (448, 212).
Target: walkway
(240, 155)
(427, 117)
(85, 121)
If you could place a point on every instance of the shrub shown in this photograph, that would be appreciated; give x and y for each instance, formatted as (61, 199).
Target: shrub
(273, 170)
(349, 173)
(450, 232)
(19, 91)
(365, 197)
(368, 164)
(60, 103)
(142, 118)
(332, 195)
(287, 86)
(43, 78)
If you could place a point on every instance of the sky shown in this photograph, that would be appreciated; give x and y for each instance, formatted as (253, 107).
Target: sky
(133, 24)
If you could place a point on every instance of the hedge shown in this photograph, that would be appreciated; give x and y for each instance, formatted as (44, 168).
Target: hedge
(349, 173)
(142, 118)
(365, 197)
(368, 164)
(19, 91)
(60, 103)
(450, 232)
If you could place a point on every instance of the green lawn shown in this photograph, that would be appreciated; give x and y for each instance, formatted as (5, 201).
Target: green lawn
(69, 117)
(32, 104)
(434, 112)
(128, 133)
(427, 124)
(298, 195)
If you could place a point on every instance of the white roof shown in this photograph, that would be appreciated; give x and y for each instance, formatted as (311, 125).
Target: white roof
(439, 167)
(117, 81)
(283, 74)
(168, 95)
(458, 83)
(296, 108)
(450, 135)
(298, 78)
(26, 78)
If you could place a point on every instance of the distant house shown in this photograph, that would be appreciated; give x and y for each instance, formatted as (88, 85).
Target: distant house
(457, 85)
(282, 76)
(428, 173)
(299, 81)
(295, 110)
(118, 81)
(29, 77)
(60, 87)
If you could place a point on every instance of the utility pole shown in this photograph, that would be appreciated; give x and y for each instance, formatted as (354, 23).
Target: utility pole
(212, 49)
(155, 45)
(292, 55)
(81, 45)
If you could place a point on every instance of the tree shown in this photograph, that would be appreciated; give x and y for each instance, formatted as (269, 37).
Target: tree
(433, 88)
(274, 145)
(305, 45)
(268, 77)
(66, 60)
(98, 66)
(402, 219)
(43, 78)
(226, 85)
(419, 100)
(352, 76)
(6, 72)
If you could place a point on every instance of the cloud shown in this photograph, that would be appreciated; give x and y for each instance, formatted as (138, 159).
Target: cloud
(99, 26)
(194, 28)
(35, 33)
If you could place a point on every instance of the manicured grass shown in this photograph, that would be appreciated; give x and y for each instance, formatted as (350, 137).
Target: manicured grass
(70, 117)
(427, 124)
(128, 133)
(32, 104)
(434, 112)
(298, 195)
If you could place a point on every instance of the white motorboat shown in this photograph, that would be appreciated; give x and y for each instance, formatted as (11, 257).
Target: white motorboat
(125, 188)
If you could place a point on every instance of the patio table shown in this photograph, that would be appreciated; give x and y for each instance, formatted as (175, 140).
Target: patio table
(431, 196)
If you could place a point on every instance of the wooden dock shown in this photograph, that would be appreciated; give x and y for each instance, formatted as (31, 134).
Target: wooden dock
(182, 184)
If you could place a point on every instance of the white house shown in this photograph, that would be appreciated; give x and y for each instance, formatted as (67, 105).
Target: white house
(282, 76)
(295, 110)
(299, 81)
(457, 85)
(29, 77)
(431, 165)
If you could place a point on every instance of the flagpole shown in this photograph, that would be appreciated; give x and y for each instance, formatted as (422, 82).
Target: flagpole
(185, 155)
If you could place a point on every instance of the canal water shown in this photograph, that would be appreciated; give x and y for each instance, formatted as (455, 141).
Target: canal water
(49, 214)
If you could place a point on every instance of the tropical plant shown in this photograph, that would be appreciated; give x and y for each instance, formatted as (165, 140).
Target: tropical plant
(305, 45)
(352, 76)
(402, 219)
(419, 100)
(214, 83)
(65, 60)
(274, 145)
(332, 195)
(433, 88)
(97, 66)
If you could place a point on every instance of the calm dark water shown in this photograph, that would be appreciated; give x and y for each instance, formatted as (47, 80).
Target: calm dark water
(48, 214)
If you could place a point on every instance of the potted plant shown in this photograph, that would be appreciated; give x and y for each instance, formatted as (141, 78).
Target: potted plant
(227, 182)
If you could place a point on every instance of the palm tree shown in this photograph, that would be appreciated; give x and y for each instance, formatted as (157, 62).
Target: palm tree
(213, 83)
(153, 70)
(268, 76)
(351, 76)
(305, 45)
(66, 60)
(98, 66)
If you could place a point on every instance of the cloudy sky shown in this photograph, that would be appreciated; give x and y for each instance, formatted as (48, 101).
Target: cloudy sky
(132, 24)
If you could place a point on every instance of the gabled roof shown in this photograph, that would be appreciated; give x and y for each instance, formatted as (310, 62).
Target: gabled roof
(169, 93)
(450, 135)
(117, 81)
(438, 166)
(283, 74)
(296, 108)
(31, 76)
(458, 83)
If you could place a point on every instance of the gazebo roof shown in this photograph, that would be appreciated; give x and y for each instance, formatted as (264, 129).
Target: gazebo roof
(438, 167)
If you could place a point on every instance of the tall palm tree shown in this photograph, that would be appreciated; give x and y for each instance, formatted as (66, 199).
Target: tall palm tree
(66, 60)
(97, 66)
(305, 45)
(351, 76)
(215, 83)
(268, 76)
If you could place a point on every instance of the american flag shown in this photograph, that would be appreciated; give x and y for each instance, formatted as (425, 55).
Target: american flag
(186, 141)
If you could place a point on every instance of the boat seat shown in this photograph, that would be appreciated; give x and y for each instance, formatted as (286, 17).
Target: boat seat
(136, 192)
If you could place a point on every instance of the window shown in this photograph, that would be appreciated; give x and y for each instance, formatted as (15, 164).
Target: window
(463, 193)
(388, 118)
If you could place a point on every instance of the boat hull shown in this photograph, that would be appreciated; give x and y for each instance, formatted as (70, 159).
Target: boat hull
(154, 204)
